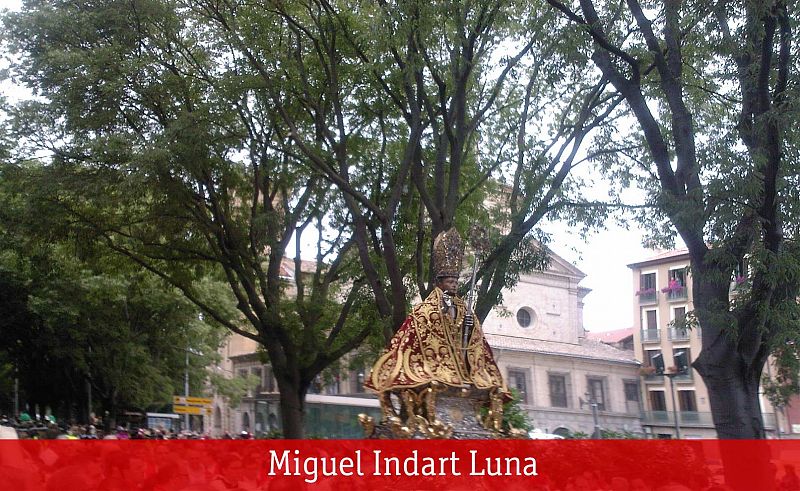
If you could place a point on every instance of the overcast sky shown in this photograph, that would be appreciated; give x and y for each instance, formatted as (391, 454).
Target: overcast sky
(604, 258)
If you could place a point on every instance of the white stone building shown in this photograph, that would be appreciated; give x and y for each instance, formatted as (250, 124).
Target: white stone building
(541, 347)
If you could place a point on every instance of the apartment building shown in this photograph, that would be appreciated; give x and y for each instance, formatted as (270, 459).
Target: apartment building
(675, 403)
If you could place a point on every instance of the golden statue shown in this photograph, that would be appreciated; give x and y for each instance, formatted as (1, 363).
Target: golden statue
(439, 351)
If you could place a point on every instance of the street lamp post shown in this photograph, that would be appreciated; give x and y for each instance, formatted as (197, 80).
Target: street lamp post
(682, 367)
(592, 402)
(674, 407)
(189, 350)
(596, 433)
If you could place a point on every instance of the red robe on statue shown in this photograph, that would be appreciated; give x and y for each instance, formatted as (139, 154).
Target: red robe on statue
(427, 348)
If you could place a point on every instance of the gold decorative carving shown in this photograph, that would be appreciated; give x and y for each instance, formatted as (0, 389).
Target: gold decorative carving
(448, 251)
(417, 416)
(368, 424)
(494, 417)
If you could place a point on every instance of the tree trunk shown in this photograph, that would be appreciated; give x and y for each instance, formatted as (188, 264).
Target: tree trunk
(732, 379)
(732, 390)
(293, 409)
(733, 393)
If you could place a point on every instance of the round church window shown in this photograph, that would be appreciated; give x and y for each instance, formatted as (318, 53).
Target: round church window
(524, 317)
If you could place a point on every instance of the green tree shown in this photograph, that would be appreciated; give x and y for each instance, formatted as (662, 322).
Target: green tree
(204, 138)
(414, 112)
(70, 332)
(712, 87)
(171, 158)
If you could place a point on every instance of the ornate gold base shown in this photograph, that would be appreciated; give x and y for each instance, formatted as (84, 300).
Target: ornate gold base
(438, 412)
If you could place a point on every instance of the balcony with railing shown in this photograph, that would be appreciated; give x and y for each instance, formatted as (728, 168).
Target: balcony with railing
(693, 419)
(738, 285)
(651, 335)
(675, 292)
(679, 334)
(647, 296)
(687, 376)
(652, 378)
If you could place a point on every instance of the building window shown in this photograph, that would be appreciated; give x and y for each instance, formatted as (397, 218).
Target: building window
(631, 391)
(687, 401)
(682, 358)
(652, 359)
(558, 390)
(647, 287)
(524, 317)
(678, 276)
(357, 380)
(650, 319)
(657, 400)
(647, 281)
(516, 380)
(742, 270)
(256, 372)
(679, 330)
(596, 392)
(270, 380)
(631, 388)
(650, 332)
(246, 421)
(679, 315)
(676, 284)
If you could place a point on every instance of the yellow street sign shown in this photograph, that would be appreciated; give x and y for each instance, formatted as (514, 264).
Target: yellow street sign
(191, 401)
(178, 409)
(205, 401)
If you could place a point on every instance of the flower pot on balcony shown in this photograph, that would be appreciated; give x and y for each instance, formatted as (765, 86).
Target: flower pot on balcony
(647, 371)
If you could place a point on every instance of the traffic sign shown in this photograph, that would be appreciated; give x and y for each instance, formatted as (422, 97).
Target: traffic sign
(192, 401)
(181, 409)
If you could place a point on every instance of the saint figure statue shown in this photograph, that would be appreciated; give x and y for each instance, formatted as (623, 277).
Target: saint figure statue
(428, 354)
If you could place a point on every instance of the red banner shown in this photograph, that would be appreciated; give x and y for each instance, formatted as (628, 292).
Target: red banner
(618, 465)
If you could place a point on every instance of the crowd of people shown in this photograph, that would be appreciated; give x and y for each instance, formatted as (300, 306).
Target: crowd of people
(46, 428)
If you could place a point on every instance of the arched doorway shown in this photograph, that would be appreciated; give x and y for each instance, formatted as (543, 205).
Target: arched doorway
(561, 431)
(217, 418)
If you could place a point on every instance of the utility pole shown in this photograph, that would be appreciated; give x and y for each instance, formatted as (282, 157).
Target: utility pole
(16, 394)
(89, 400)
(186, 387)
(89, 391)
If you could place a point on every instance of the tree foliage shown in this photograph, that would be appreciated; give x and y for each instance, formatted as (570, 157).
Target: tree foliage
(713, 90)
(80, 334)
(169, 156)
(205, 138)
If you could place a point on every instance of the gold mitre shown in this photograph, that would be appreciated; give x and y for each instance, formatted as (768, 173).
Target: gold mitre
(448, 250)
